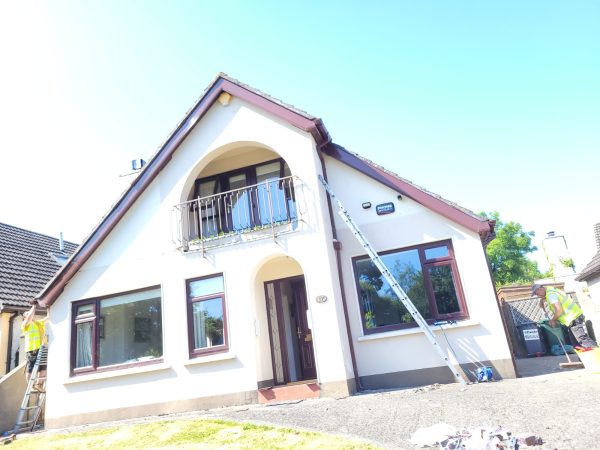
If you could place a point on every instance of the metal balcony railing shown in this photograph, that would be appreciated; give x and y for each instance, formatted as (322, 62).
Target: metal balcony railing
(259, 211)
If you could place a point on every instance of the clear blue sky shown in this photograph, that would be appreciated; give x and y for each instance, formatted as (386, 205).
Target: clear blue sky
(493, 105)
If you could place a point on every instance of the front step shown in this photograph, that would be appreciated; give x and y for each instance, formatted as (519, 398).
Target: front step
(290, 392)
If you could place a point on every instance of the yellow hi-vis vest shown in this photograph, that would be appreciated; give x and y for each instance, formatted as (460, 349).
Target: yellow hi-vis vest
(571, 310)
(34, 332)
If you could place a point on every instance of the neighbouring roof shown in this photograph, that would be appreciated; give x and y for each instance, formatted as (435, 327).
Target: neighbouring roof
(292, 115)
(592, 270)
(28, 260)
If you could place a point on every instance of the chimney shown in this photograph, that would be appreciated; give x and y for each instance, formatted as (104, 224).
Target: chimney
(61, 242)
(597, 235)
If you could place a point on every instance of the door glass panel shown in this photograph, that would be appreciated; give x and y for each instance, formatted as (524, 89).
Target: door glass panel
(271, 193)
(207, 188)
(444, 289)
(209, 208)
(274, 331)
(290, 195)
(238, 204)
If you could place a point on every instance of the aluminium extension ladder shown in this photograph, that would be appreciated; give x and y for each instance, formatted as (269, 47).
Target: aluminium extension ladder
(408, 304)
(33, 400)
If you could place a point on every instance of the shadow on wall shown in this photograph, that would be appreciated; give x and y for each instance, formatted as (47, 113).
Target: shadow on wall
(475, 355)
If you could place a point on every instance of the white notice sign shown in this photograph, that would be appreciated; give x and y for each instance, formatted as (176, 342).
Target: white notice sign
(531, 335)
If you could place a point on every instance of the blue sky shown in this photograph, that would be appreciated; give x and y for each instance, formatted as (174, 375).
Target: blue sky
(494, 106)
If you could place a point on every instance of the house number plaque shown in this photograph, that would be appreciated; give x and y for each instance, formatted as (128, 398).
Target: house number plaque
(321, 299)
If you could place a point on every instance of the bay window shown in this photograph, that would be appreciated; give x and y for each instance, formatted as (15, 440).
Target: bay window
(116, 331)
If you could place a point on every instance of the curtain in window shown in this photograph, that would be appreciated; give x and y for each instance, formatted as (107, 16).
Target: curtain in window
(83, 357)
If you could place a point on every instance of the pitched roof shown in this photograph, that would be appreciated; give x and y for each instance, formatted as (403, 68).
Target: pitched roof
(26, 264)
(295, 117)
(592, 270)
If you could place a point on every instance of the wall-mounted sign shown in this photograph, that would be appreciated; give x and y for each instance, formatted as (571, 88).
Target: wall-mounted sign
(321, 299)
(385, 208)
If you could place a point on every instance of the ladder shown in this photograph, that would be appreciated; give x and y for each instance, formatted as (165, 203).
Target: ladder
(408, 304)
(33, 400)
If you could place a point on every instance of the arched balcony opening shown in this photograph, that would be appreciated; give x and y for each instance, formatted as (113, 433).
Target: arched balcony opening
(244, 194)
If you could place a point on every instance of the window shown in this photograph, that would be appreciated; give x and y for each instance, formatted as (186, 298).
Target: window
(206, 315)
(429, 276)
(237, 201)
(124, 329)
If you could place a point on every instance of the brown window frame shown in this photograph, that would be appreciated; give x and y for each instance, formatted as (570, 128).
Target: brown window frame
(95, 318)
(199, 352)
(426, 263)
(222, 185)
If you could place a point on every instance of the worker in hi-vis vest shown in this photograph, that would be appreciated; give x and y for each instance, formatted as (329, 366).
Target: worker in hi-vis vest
(35, 333)
(565, 311)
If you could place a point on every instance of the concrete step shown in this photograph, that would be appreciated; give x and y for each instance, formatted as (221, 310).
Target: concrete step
(296, 391)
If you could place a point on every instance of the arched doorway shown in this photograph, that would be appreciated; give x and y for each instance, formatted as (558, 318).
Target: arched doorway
(290, 330)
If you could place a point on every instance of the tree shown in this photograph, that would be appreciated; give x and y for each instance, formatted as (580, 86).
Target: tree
(507, 251)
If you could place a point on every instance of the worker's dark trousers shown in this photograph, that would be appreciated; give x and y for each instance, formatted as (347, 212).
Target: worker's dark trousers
(578, 329)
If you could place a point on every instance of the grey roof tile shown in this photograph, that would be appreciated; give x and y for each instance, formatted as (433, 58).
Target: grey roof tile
(592, 270)
(26, 264)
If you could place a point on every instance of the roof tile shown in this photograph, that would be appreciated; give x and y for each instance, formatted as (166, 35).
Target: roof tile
(26, 264)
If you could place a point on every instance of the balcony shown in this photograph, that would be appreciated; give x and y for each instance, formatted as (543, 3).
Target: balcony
(261, 211)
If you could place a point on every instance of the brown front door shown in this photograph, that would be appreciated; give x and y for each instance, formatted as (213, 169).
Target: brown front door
(307, 355)
(289, 331)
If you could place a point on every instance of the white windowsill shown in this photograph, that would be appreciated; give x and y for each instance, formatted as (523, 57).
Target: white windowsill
(416, 330)
(117, 373)
(210, 358)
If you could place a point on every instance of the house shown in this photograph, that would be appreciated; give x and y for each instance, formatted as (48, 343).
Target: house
(590, 275)
(224, 276)
(28, 260)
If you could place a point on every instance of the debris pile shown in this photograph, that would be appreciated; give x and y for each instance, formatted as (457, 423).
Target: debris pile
(447, 437)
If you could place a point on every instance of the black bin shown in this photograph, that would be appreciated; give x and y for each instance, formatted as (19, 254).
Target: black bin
(532, 339)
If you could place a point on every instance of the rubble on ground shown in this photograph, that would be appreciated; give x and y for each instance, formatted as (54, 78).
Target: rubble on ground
(448, 437)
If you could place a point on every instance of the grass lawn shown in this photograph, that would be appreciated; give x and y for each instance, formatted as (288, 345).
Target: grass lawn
(185, 433)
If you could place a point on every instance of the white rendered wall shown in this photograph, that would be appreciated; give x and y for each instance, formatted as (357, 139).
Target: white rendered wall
(594, 289)
(477, 339)
(139, 253)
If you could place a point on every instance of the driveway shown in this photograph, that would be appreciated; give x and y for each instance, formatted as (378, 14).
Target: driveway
(560, 406)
